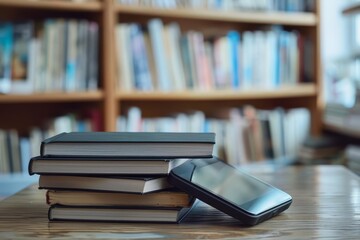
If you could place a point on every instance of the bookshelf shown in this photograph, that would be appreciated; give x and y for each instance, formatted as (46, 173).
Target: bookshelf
(52, 97)
(112, 101)
(301, 91)
(295, 19)
(341, 115)
(307, 95)
(344, 125)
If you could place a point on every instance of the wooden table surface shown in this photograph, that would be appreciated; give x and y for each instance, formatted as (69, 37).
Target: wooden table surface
(326, 204)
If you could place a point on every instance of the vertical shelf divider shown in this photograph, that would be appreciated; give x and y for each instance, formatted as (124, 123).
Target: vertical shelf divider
(316, 109)
(108, 74)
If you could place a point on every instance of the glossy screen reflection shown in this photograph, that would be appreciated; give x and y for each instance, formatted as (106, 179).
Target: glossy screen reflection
(237, 187)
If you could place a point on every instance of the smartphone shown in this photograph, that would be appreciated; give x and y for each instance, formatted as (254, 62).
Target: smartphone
(230, 190)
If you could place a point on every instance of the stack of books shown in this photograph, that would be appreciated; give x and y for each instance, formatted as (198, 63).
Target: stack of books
(324, 149)
(352, 154)
(109, 176)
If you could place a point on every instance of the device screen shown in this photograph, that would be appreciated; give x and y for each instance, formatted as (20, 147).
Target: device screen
(237, 187)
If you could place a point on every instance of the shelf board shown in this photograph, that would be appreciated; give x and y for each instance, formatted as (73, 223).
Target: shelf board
(52, 97)
(283, 18)
(350, 132)
(53, 5)
(352, 9)
(303, 90)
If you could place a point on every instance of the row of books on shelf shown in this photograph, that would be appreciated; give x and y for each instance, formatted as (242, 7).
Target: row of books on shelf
(90, 176)
(16, 149)
(322, 149)
(48, 55)
(243, 135)
(237, 5)
(342, 116)
(161, 57)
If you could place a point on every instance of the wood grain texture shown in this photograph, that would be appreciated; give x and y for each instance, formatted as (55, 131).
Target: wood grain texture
(54, 5)
(326, 205)
(302, 19)
(318, 105)
(108, 66)
(52, 97)
(301, 90)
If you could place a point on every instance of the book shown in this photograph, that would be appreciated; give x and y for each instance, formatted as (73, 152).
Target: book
(14, 150)
(104, 183)
(140, 63)
(4, 153)
(172, 35)
(102, 166)
(352, 154)
(124, 61)
(156, 33)
(201, 62)
(234, 42)
(189, 71)
(101, 199)
(22, 35)
(71, 56)
(115, 214)
(321, 149)
(6, 46)
(136, 144)
(93, 48)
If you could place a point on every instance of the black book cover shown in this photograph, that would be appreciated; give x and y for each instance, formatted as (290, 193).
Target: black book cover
(129, 144)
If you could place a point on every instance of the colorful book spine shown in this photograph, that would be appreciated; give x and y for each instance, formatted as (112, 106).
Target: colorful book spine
(6, 46)
(156, 30)
(141, 69)
(234, 42)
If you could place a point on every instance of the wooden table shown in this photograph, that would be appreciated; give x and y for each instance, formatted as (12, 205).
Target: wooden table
(326, 205)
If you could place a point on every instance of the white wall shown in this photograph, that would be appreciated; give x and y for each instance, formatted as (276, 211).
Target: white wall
(334, 36)
(333, 29)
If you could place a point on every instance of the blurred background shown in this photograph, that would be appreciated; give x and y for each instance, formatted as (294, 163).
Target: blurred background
(276, 80)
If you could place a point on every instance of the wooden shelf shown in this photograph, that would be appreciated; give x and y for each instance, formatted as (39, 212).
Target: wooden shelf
(107, 13)
(303, 90)
(294, 19)
(53, 5)
(342, 130)
(52, 97)
(352, 9)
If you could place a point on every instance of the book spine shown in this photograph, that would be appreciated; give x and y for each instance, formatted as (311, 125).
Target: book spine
(47, 196)
(50, 212)
(156, 31)
(6, 46)
(30, 166)
(234, 42)
(47, 141)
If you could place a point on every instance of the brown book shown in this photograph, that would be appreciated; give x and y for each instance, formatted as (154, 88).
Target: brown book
(117, 214)
(169, 199)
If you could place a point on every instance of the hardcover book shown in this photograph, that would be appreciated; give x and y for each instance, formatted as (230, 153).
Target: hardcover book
(104, 183)
(102, 166)
(129, 144)
(173, 199)
(114, 214)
